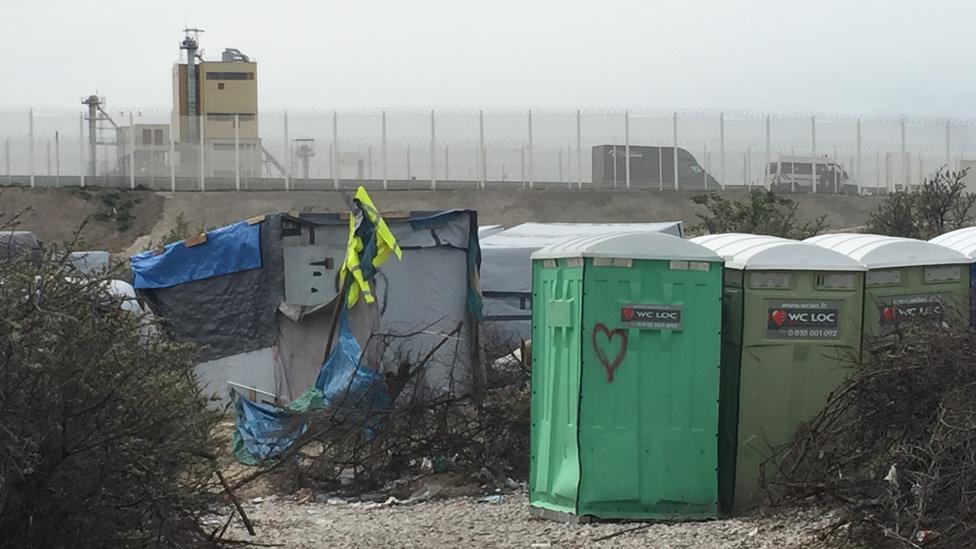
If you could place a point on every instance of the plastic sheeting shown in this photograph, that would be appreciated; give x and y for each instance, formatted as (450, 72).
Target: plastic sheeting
(344, 385)
(231, 314)
(229, 249)
(302, 336)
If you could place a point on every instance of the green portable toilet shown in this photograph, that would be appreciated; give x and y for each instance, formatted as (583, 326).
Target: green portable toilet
(625, 378)
(964, 242)
(791, 319)
(906, 279)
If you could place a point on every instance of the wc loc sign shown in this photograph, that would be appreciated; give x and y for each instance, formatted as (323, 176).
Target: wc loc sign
(907, 307)
(803, 319)
(653, 317)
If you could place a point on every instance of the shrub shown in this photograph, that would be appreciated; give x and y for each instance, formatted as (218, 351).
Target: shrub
(105, 438)
(763, 213)
(940, 204)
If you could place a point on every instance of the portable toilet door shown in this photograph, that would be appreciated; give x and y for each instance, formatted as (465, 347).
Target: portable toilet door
(964, 242)
(907, 279)
(625, 378)
(791, 322)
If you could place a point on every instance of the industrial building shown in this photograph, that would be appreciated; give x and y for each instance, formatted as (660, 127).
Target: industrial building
(215, 105)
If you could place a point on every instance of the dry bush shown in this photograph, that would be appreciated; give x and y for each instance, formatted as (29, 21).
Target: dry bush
(896, 445)
(105, 438)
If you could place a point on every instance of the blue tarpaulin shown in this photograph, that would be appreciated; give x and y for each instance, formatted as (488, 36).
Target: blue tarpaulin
(229, 249)
(353, 391)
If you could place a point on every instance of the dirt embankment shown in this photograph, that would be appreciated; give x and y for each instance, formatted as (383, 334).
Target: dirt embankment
(56, 213)
(107, 220)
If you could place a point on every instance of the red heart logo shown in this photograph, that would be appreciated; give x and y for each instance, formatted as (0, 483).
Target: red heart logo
(888, 313)
(628, 313)
(778, 316)
(609, 335)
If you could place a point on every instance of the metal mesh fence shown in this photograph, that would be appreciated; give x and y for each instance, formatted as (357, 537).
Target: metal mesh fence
(278, 150)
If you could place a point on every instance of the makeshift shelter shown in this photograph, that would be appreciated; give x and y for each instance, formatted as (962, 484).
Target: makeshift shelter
(506, 270)
(13, 243)
(907, 279)
(791, 322)
(625, 383)
(964, 242)
(258, 297)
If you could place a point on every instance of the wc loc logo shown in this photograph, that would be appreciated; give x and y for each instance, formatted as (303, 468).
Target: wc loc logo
(808, 319)
(908, 307)
(653, 317)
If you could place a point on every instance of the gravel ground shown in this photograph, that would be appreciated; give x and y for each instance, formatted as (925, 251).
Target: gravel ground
(466, 522)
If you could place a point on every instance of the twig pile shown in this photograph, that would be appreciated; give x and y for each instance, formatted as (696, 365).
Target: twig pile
(896, 445)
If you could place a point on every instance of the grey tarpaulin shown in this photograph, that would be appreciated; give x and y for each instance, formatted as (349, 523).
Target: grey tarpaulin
(303, 333)
(420, 297)
(230, 314)
(15, 242)
(506, 268)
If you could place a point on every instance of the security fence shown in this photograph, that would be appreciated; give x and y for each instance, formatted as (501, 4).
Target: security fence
(279, 150)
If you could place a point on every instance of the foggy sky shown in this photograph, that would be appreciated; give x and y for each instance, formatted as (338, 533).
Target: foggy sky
(854, 56)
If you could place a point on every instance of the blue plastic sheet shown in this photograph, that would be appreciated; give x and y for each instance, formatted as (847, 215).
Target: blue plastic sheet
(263, 431)
(353, 391)
(229, 249)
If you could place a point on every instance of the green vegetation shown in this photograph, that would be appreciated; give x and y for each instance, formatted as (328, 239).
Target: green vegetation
(763, 213)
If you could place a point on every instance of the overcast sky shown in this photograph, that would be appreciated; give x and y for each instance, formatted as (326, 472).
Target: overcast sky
(851, 56)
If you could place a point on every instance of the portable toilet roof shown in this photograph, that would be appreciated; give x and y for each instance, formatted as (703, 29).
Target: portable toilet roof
(961, 240)
(751, 252)
(880, 252)
(632, 245)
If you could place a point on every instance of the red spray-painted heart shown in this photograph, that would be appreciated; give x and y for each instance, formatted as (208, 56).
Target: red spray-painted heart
(609, 335)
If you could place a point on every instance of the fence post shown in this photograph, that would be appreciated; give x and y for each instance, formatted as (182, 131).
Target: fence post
(579, 153)
(30, 115)
(81, 148)
(560, 171)
(57, 158)
(433, 153)
(6, 157)
(383, 147)
(904, 156)
(522, 165)
(705, 165)
(531, 155)
(921, 170)
(674, 132)
(287, 158)
(172, 161)
(132, 152)
(859, 169)
(835, 168)
(237, 152)
(769, 155)
(721, 148)
(482, 158)
(813, 148)
(336, 172)
(203, 152)
(626, 149)
(948, 156)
